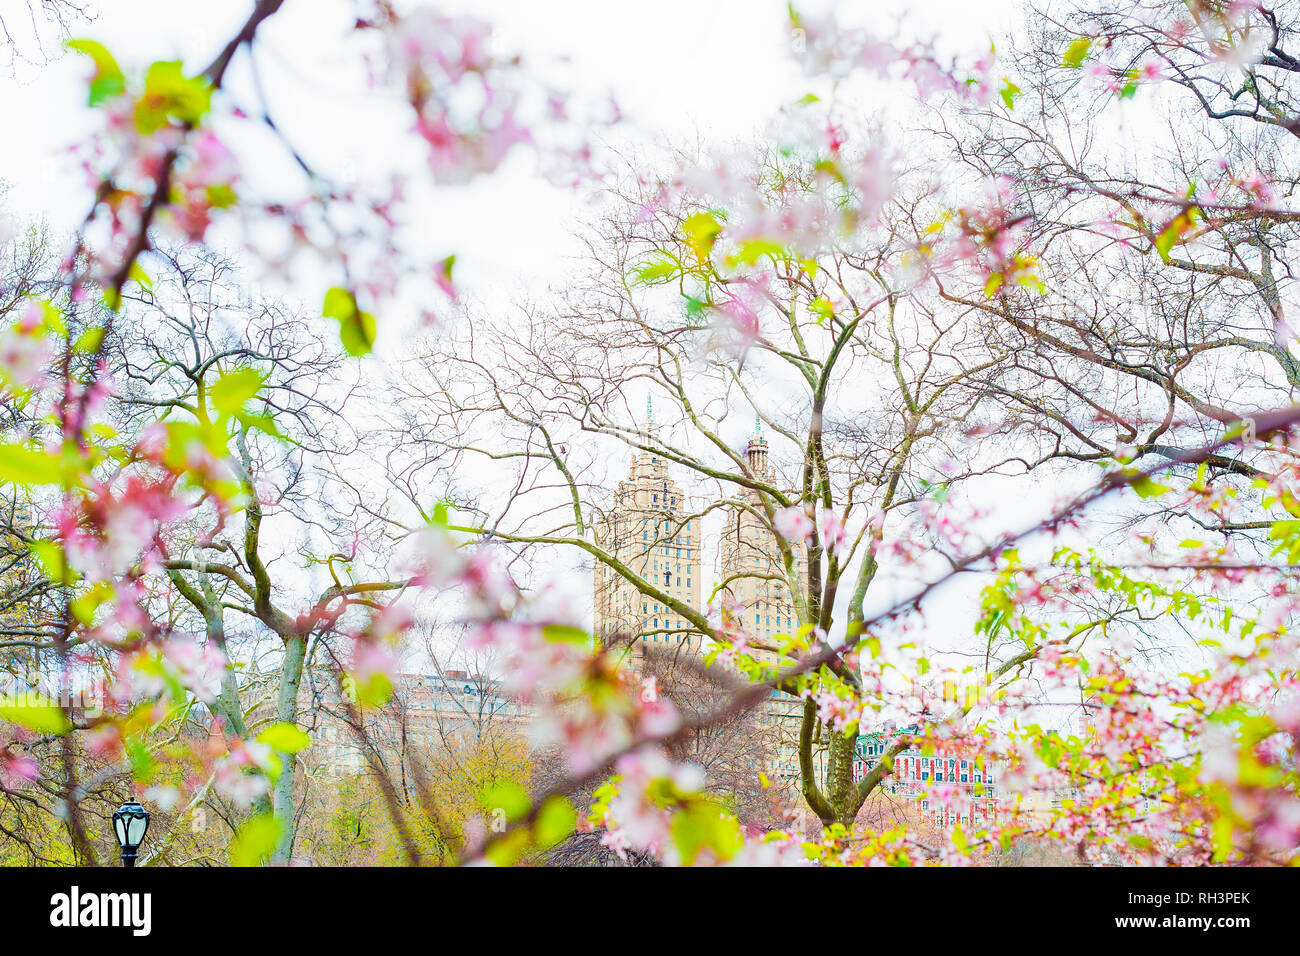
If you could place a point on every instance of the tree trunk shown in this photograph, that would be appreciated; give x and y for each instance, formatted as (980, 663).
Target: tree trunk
(295, 649)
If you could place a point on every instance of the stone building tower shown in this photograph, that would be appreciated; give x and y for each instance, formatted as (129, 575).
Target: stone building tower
(753, 581)
(650, 529)
(749, 561)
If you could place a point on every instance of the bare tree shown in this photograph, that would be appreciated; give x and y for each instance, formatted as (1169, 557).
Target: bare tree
(254, 555)
(1164, 318)
(864, 382)
(32, 31)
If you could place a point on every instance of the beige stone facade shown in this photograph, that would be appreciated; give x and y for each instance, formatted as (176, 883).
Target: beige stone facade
(754, 584)
(651, 529)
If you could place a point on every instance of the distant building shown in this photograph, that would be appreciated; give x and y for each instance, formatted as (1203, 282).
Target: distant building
(753, 576)
(950, 789)
(427, 711)
(651, 530)
(753, 584)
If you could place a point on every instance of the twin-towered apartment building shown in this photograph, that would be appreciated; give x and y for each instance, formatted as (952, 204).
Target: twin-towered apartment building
(654, 530)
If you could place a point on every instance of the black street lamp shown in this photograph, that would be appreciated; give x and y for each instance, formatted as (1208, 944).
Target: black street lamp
(130, 822)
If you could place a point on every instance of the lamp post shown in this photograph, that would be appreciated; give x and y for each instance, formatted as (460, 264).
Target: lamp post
(130, 822)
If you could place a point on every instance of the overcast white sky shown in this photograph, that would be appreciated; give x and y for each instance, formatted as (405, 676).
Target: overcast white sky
(680, 69)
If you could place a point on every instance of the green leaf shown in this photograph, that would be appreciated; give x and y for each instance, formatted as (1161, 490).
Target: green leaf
(1166, 240)
(104, 61)
(376, 691)
(1076, 53)
(141, 759)
(1009, 92)
(28, 466)
(137, 273)
(254, 840)
(565, 634)
(108, 80)
(993, 284)
(103, 88)
(261, 423)
(85, 605)
(959, 840)
(233, 389)
(1173, 233)
(89, 341)
(695, 306)
(52, 319)
(1147, 488)
(221, 196)
(822, 308)
(356, 328)
(339, 303)
(702, 824)
(701, 231)
(555, 821)
(285, 738)
(35, 713)
(658, 269)
(508, 849)
(751, 250)
(170, 95)
(507, 796)
(51, 558)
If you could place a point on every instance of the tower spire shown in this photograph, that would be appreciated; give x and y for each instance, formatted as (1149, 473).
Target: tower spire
(756, 452)
(649, 411)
